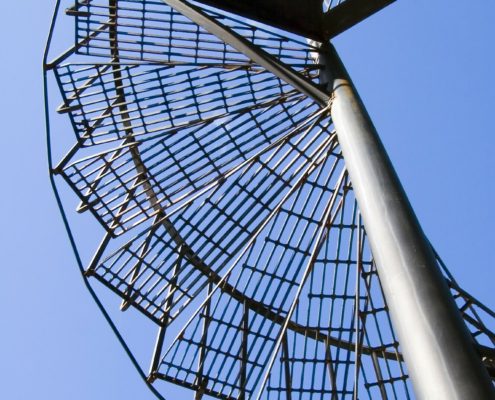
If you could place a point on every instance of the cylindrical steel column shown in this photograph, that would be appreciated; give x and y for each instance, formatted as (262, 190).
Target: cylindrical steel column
(438, 349)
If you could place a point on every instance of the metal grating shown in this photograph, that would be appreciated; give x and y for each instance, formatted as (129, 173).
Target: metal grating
(318, 337)
(152, 31)
(226, 208)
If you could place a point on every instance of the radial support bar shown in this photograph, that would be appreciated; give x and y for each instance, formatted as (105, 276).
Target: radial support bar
(437, 347)
(255, 53)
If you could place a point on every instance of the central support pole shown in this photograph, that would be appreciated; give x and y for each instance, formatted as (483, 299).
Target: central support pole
(438, 349)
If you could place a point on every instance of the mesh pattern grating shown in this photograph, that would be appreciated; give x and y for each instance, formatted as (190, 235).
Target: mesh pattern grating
(170, 155)
(151, 31)
(227, 212)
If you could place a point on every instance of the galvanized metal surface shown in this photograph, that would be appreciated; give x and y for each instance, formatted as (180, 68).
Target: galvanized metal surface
(440, 354)
(224, 204)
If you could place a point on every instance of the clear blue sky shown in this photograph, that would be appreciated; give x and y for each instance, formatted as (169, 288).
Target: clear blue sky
(425, 70)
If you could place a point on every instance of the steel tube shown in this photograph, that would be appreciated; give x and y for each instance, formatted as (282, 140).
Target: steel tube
(253, 52)
(438, 349)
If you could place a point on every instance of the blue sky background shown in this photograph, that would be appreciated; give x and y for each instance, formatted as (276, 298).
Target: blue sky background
(425, 70)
